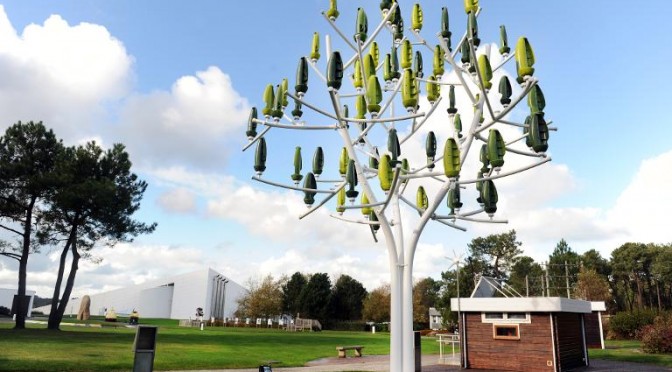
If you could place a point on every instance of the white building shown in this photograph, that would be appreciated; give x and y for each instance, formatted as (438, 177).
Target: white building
(175, 297)
(7, 297)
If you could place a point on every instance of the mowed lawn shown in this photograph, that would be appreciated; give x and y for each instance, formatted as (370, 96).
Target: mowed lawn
(630, 351)
(110, 348)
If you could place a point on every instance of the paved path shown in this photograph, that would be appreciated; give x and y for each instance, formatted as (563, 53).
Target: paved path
(370, 363)
(377, 363)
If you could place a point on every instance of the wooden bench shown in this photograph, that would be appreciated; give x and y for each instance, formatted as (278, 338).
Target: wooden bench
(341, 350)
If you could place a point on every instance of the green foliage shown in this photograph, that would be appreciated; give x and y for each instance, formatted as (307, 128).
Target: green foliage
(563, 267)
(347, 299)
(28, 155)
(315, 297)
(425, 295)
(628, 325)
(525, 273)
(591, 286)
(291, 293)
(496, 254)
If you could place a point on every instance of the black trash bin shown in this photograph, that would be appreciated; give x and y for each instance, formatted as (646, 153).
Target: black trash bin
(418, 353)
(144, 347)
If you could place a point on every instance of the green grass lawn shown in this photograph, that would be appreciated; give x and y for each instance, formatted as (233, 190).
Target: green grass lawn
(109, 348)
(630, 351)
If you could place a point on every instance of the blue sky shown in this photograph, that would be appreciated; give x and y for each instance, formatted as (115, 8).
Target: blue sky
(175, 80)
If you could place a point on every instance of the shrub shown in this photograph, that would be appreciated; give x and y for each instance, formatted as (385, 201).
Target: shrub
(626, 325)
(4, 311)
(657, 338)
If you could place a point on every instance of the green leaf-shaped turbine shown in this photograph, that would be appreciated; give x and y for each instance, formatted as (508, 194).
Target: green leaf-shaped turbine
(301, 86)
(260, 156)
(318, 162)
(335, 71)
(361, 26)
(351, 193)
(524, 59)
(374, 51)
(416, 18)
(536, 100)
(373, 160)
(485, 69)
(360, 107)
(433, 90)
(430, 149)
(445, 26)
(496, 148)
(538, 133)
(421, 200)
(438, 62)
(340, 201)
(489, 196)
(393, 147)
(298, 164)
(365, 209)
(269, 99)
(417, 65)
(315, 47)
(343, 162)
(472, 29)
(333, 12)
(451, 100)
(374, 94)
(309, 183)
(454, 202)
(409, 91)
(406, 54)
(485, 160)
(385, 173)
(505, 90)
(451, 159)
(457, 124)
(503, 41)
(252, 124)
(471, 6)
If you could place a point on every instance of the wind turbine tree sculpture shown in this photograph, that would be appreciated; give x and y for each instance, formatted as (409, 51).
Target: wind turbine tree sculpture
(372, 165)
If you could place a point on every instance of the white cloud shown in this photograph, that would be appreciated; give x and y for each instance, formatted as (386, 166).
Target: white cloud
(179, 200)
(644, 206)
(190, 125)
(60, 74)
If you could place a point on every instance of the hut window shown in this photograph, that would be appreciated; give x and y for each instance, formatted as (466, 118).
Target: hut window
(513, 318)
(505, 332)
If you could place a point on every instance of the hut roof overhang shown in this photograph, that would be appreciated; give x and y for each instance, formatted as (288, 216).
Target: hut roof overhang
(521, 304)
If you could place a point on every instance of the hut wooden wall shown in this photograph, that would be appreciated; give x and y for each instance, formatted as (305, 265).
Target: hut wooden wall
(532, 352)
(569, 341)
(592, 323)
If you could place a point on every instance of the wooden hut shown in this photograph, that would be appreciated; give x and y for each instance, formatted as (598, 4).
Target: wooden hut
(522, 333)
(593, 323)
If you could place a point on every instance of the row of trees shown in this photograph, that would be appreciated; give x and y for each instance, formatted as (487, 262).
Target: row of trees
(313, 296)
(58, 197)
(636, 276)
